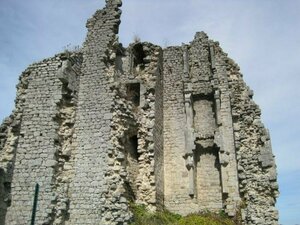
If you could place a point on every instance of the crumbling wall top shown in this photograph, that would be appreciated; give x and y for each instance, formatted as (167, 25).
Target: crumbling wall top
(117, 3)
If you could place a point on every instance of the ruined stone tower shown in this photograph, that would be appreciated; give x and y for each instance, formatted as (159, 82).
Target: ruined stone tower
(172, 128)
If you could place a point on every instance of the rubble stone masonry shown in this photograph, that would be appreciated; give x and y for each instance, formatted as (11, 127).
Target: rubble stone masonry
(172, 128)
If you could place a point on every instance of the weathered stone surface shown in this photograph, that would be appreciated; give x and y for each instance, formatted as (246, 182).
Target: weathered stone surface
(171, 128)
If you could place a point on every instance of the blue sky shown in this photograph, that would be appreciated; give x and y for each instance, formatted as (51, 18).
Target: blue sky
(262, 36)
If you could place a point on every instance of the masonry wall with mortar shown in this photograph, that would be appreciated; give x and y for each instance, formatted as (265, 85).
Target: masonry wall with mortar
(176, 177)
(171, 128)
(140, 78)
(255, 161)
(96, 190)
(10, 131)
(35, 160)
(197, 149)
(202, 80)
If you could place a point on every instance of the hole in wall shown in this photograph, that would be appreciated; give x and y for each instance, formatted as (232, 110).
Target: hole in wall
(130, 194)
(138, 56)
(56, 141)
(133, 93)
(133, 150)
(224, 196)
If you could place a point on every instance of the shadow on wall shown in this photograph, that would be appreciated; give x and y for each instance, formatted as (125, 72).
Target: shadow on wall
(5, 200)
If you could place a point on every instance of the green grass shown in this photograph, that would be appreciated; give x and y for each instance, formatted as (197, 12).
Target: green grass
(141, 216)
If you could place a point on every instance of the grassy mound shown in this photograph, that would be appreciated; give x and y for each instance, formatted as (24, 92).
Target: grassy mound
(143, 217)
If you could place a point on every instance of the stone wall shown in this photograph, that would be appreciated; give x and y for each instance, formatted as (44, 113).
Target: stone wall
(204, 93)
(256, 166)
(10, 132)
(208, 180)
(30, 146)
(224, 136)
(176, 177)
(195, 129)
(172, 128)
(69, 74)
(95, 191)
(139, 79)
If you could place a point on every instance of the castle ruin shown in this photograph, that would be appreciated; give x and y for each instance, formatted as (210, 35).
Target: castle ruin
(172, 128)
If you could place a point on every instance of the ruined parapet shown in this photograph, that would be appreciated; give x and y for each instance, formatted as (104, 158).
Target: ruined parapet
(172, 128)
